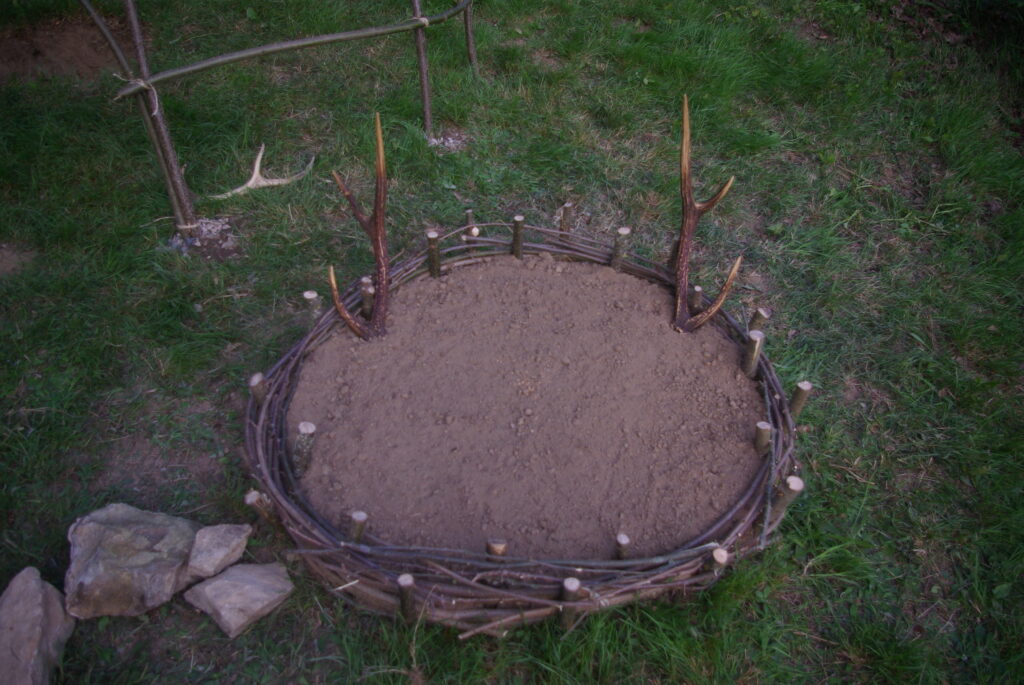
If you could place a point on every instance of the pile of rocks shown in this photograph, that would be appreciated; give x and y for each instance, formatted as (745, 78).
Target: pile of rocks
(125, 562)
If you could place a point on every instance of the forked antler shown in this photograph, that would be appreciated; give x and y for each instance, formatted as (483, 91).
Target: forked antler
(374, 227)
(692, 212)
(258, 180)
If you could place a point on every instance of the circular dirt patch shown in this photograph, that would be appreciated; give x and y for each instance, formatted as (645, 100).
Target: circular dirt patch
(544, 402)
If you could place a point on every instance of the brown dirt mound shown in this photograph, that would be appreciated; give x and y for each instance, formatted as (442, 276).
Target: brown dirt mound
(66, 47)
(547, 403)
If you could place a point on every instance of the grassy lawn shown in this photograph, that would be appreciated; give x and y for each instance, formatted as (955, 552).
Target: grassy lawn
(877, 149)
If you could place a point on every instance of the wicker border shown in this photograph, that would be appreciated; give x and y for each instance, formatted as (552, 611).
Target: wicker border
(471, 591)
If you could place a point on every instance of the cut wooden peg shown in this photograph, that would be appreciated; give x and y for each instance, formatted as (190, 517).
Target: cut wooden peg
(314, 303)
(752, 353)
(792, 489)
(433, 254)
(758, 319)
(721, 557)
(367, 290)
(261, 503)
(696, 301)
(258, 388)
(619, 249)
(357, 525)
(763, 437)
(471, 225)
(799, 399)
(517, 235)
(622, 543)
(496, 548)
(406, 585)
(568, 220)
(572, 589)
(304, 446)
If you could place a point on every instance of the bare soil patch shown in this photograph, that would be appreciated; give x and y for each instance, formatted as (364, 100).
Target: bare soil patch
(13, 259)
(547, 403)
(66, 47)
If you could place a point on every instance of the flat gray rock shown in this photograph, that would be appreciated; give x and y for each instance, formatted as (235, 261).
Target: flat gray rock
(33, 629)
(241, 595)
(125, 561)
(216, 548)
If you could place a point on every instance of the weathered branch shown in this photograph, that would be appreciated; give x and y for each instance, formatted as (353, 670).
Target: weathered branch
(374, 226)
(692, 212)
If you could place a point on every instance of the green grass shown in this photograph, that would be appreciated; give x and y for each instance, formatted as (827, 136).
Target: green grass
(877, 203)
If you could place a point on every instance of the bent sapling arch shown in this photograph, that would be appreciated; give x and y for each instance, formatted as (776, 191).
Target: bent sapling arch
(685, 320)
(374, 227)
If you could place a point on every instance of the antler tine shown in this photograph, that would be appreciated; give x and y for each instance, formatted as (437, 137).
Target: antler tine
(346, 316)
(258, 180)
(699, 320)
(379, 234)
(353, 203)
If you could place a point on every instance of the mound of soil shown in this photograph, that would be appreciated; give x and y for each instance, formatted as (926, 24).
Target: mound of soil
(546, 403)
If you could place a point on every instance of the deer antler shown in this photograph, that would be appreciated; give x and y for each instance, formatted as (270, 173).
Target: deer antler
(692, 212)
(374, 228)
(258, 180)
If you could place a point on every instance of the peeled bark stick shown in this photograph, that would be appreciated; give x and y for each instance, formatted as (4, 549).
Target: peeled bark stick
(517, 236)
(367, 290)
(763, 438)
(571, 591)
(759, 319)
(794, 486)
(696, 301)
(304, 446)
(433, 254)
(752, 353)
(619, 249)
(406, 583)
(496, 548)
(258, 388)
(622, 543)
(799, 399)
(313, 302)
(357, 525)
(421, 59)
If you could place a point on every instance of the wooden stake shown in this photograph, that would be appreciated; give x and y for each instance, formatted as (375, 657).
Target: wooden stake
(367, 290)
(304, 446)
(571, 592)
(357, 521)
(721, 556)
(258, 388)
(406, 583)
(517, 235)
(421, 58)
(759, 319)
(619, 249)
(752, 354)
(763, 438)
(471, 224)
(568, 220)
(622, 543)
(496, 548)
(794, 486)
(314, 303)
(696, 302)
(799, 399)
(261, 503)
(433, 254)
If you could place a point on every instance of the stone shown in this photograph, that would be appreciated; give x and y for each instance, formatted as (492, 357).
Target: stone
(126, 561)
(33, 629)
(216, 548)
(242, 595)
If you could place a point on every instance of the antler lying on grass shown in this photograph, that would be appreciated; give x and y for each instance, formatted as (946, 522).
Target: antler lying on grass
(374, 227)
(258, 180)
(692, 212)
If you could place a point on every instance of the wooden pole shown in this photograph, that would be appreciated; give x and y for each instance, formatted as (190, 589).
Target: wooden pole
(467, 19)
(696, 302)
(619, 249)
(752, 353)
(258, 388)
(433, 254)
(421, 58)
(572, 589)
(357, 525)
(794, 486)
(763, 438)
(622, 543)
(759, 319)
(517, 236)
(799, 399)
(406, 584)
(304, 446)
